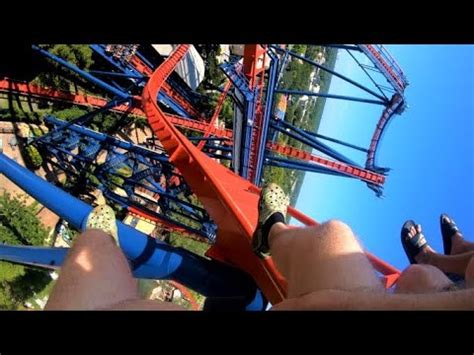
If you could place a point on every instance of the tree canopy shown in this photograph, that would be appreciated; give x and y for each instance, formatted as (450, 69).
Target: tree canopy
(19, 226)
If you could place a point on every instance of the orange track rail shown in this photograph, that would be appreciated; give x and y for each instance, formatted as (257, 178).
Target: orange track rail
(229, 199)
(146, 70)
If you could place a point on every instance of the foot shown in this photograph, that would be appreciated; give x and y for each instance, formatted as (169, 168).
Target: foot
(103, 217)
(272, 207)
(425, 251)
(453, 240)
(416, 248)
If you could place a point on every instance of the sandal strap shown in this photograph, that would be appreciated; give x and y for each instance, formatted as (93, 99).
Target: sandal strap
(418, 240)
(451, 225)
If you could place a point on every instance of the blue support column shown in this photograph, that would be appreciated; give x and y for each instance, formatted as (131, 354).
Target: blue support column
(343, 77)
(84, 74)
(130, 70)
(119, 75)
(305, 138)
(81, 119)
(150, 258)
(337, 141)
(272, 82)
(139, 154)
(105, 138)
(342, 46)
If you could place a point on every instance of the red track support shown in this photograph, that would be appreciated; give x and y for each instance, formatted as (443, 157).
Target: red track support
(254, 70)
(253, 53)
(7, 85)
(362, 174)
(83, 99)
(387, 67)
(217, 111)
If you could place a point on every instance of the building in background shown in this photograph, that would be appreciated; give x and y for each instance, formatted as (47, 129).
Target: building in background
(191, 69)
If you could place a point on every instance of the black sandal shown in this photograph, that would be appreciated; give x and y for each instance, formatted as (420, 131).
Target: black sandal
(448, 230)
(414, 245)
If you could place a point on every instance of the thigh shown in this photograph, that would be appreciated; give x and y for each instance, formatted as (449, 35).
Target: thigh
(325, 257)
(95, 274)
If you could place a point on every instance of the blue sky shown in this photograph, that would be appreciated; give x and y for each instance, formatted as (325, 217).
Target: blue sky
(430, 149)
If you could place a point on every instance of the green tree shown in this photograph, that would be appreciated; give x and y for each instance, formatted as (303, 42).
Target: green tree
(33, 157)
(19, 226)
(227, 112)
(78, 54)
(214, 75)
(71, 113)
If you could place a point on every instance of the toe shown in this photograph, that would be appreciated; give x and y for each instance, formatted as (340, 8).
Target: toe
(418, 228)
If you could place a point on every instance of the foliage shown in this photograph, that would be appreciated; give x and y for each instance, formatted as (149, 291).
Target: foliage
(15, 109)
(181, 241)
(70, 113)
(102, 122)
(33, 157)
(214, 75)
(19, 226)
(21, 220)
(60, 78)
(36, 131)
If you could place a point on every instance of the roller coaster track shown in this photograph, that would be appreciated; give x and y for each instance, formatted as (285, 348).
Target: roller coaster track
(144, 69)
(230, 200)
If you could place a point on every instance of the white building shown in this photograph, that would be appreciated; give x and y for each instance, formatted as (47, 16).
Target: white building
(191, 69)
(320, 58)
(225, 53)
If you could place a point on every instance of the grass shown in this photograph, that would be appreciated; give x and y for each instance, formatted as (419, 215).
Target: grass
(46, 291)
(145, 287)
(181, 241)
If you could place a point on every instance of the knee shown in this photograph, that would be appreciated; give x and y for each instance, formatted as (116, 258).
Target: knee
(414, 273)
(337, 231)
(337, 228)
(417, 274)
(92, 238)
(336, 235)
